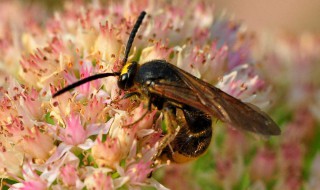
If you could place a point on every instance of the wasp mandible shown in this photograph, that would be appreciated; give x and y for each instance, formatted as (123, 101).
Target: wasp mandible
(179, 94)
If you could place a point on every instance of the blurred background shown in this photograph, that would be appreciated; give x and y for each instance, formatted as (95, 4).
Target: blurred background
(290, 15)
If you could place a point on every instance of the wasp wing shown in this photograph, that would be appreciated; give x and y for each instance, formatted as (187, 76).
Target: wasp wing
(209, 99)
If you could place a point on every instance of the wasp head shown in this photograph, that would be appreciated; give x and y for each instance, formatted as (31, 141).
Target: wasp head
(127, 75)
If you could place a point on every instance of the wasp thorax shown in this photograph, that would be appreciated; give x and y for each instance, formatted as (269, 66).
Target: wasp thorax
(127, 75)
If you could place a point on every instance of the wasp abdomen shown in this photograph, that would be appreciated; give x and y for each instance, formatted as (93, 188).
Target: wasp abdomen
(193, 138)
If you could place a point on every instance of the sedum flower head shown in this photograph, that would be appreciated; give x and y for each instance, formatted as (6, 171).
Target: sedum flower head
(88, 137)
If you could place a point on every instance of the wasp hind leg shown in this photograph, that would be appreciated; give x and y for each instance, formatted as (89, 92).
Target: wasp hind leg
(172, 129)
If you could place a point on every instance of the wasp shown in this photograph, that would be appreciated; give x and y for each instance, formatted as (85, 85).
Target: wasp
(185, 101)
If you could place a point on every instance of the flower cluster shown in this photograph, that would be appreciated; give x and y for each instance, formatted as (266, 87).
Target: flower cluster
(89, 137)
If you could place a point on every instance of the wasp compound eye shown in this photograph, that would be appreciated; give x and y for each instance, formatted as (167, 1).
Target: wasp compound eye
(127, 75)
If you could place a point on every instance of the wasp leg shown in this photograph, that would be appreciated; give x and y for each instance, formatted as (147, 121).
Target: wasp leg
(172, 130)
(143, 115)
(128, 95)
(137, 121)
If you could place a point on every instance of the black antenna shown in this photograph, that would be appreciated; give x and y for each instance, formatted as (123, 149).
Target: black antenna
(132, 36)
(85, 80)
(102, 75)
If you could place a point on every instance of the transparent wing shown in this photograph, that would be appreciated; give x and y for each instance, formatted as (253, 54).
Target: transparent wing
(203, 96)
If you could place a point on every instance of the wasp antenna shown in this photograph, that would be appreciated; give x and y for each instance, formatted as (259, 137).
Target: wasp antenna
(85, 80)
(132, 36)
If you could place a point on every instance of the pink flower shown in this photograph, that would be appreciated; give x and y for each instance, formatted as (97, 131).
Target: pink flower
(86, 70)
(180, 172)
(139, 172)
(74, 132)
(301, 128)
(228, 171)
(69, 175)
(75, 135)
(107, 153)
(31, 180)
(207, 62)
(96, 109)
(11, 159)
(157, 51)
(291, 163)
(37, 68)
(101, 180)
(235, 143)
(231, 33)
(264, 165)
(32, 102)
(36, 145)
(107, 43)
(244, 83)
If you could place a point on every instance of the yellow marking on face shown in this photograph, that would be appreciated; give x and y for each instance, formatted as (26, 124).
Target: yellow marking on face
(125, 68)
